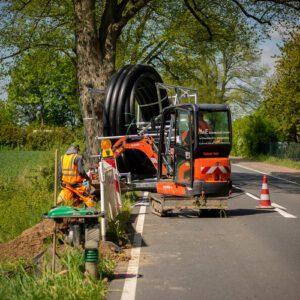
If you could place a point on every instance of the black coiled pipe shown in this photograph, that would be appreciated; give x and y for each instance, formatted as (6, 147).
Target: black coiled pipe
(130, 85)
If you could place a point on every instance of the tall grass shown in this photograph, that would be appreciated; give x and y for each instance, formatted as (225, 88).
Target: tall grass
(26, 190)
(116, 230)
(17, 283)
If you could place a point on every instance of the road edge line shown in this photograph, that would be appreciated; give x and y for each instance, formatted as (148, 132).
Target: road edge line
(129, 288)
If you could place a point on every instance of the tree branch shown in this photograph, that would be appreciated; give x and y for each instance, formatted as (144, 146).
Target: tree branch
(248, 15)
(156, 50)
(108, 18)
(39, 45)
(192, 11)
(14, 54)
(122, 5)
(168, 68)
(290, 4)
(138, 5)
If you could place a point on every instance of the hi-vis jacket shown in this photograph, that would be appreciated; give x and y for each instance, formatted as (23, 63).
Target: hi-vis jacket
(69, 169)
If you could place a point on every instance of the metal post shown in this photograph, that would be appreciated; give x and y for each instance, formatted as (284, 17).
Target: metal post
(102, 203)
(55, 203)
(55, 177)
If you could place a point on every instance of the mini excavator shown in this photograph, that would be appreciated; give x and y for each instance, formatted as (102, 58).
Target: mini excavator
(186, 167)
(166, 143)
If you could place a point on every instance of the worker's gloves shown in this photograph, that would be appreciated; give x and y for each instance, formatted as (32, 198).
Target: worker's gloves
(85, 183)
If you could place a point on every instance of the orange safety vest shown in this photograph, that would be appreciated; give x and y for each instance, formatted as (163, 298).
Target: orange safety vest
(69, 169)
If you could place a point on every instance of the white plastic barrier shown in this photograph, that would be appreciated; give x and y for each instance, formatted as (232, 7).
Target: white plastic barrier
(111, 201)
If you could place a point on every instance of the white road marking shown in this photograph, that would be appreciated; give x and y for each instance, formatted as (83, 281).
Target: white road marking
(141, 203)
(280, 209)
(133, 265)
(247, 168)
(278, 206)
(284, 213)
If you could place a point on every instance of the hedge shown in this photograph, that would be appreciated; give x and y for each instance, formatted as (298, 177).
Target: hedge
(14, 137)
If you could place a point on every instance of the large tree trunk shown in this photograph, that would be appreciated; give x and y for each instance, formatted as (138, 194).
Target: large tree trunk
(96, 55)
(95, 65)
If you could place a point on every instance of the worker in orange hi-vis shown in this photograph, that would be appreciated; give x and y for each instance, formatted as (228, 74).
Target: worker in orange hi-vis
(73, 178)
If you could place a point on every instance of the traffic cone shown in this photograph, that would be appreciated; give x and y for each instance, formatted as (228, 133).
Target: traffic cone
(264, 201)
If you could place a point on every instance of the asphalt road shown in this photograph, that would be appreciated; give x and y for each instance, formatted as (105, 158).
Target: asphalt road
(250, 254)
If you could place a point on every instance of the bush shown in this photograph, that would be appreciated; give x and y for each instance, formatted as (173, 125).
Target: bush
(47, 139)
(12, 137)
(252, 136)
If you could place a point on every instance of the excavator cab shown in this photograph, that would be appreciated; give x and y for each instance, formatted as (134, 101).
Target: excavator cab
(195, 142)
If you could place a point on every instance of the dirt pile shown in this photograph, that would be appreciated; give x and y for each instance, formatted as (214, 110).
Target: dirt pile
(32, 242)
(28, 244)
(107, 248)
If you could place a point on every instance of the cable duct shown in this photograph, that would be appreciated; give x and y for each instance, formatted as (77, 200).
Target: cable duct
(131, 86)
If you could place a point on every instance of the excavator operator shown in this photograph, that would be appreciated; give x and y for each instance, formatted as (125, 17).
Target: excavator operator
(72, 178)
(203, 130)
(203, 126)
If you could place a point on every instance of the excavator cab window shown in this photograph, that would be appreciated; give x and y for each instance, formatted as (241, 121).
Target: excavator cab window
(213, 134)
(213, 127)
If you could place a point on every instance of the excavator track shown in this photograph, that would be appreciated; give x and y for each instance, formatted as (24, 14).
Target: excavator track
(157, 206)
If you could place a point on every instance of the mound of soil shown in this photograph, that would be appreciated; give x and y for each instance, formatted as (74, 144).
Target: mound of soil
(28, 244)
(32, 242)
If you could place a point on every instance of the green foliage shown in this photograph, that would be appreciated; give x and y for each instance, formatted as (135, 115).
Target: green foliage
(12, 136)
(282, 92)
(36, 24)
(207, 44)
(18, 283)
(251, 136)
(43, 89)
(49, 138)
(26, 190)
(223, 67)
(45, 138)
(6, 114)
(116, 231)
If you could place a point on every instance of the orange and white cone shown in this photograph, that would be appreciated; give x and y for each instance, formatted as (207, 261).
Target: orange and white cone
(264, 201)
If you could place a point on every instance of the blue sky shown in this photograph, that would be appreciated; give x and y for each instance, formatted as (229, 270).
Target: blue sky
(269, 49)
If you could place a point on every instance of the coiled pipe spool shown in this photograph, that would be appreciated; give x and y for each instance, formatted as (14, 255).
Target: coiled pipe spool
(132, 85)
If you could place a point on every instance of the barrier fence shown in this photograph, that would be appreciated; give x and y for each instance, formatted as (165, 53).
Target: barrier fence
(285, 150)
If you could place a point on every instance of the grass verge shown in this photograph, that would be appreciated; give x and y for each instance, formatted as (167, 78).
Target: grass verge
(17, 282)
(26, 190)
(278, 161)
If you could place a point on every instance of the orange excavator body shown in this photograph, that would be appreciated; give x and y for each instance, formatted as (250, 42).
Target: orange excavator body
(192, 166)
(144, 144)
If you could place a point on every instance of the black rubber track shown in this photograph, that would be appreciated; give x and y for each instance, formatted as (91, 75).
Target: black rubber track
(130, 85)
